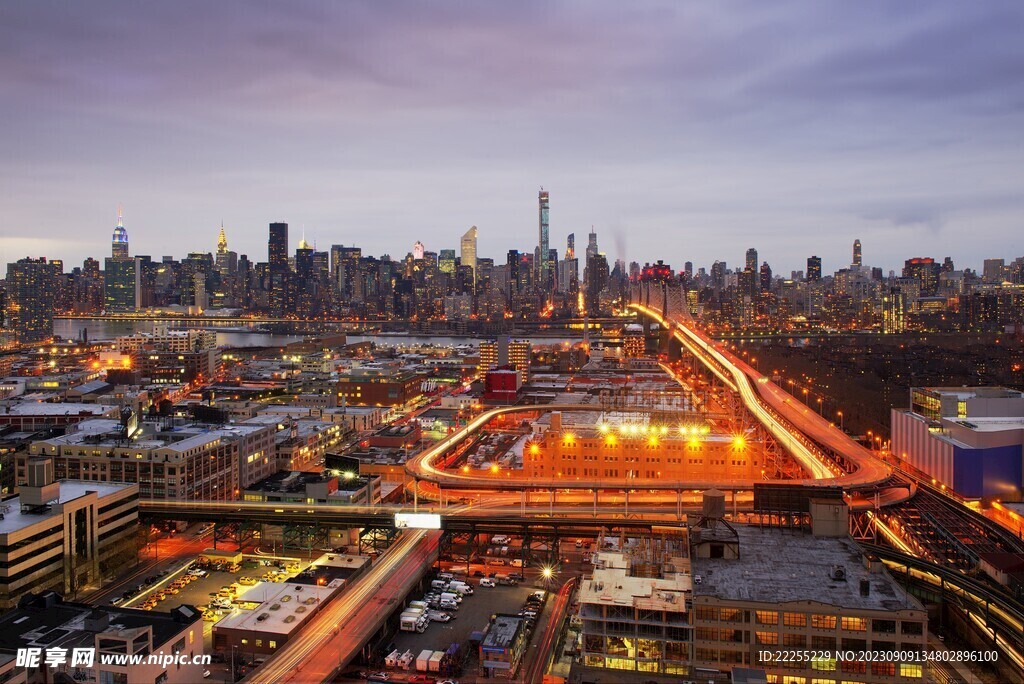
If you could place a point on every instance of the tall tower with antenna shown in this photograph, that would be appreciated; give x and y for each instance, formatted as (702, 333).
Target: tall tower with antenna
(119, 242)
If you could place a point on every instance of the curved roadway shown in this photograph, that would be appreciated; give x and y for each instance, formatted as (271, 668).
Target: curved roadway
(869, 471)
(772, 405)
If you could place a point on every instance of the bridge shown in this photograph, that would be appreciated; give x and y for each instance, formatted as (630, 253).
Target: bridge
(480, 518)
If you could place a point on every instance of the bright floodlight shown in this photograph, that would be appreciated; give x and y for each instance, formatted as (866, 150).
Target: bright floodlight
(547, 572)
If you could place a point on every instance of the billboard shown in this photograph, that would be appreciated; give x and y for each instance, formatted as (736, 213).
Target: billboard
(417, 521)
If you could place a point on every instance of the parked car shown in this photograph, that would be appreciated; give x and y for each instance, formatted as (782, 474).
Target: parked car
(488, 582)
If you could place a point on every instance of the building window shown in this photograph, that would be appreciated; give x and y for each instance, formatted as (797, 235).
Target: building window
(911, 670)
(823, 621)
(911, 628)
(794, 619)
(855, 624)
(768, 617)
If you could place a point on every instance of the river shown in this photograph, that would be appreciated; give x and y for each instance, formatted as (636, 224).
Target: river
(108, 330)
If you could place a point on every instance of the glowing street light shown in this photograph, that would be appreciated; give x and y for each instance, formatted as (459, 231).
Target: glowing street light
(547, 572)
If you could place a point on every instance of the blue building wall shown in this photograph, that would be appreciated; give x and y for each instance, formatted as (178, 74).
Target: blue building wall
(991, 473)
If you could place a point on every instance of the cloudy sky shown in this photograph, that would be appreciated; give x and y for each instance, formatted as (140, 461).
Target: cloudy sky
(681, 131)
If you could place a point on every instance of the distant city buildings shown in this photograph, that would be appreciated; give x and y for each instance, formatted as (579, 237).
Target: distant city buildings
(456, 289)
(31, 299)
(505, 352)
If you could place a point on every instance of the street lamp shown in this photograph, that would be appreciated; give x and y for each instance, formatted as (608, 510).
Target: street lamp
(841, 426)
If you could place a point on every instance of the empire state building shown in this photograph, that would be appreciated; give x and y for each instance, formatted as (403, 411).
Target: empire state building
(119, 242)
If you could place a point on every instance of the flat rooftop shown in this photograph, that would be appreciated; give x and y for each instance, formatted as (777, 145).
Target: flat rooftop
(35, 408)
(989, 424)
(328, 568)
(47, 621)
(782, 567)
(502, 632)
(613, 585)
(14, 520)
(286, 606)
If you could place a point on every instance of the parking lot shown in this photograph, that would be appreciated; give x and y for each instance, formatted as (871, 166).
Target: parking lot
(178, 590)
(473, 615)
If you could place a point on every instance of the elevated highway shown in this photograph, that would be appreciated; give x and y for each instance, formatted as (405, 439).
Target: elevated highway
(479, 518)
(822, 449)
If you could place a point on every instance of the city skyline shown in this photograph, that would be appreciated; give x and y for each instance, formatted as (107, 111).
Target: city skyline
(397, 253)
(839, 123)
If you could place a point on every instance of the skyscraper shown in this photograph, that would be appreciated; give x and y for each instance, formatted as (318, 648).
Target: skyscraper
(226, 260)
(596, 277)
(856, 253)
(417, 250)
(119, 242)
(469, 251)
(813, 269)
(543, 247)
(277, 247)
(120, 284)
(751, 259)
(446, 261)
(31, 285)
(591, 244)
(570, 246)
(120, 275)
(925, 271)
(765, 278)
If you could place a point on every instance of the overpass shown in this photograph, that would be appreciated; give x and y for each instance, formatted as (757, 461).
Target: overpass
(425, 465)
(555, 521)
(821, 448)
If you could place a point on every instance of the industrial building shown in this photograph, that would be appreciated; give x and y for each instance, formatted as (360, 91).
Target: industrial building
(635, 613)
(502, 647)
(970, 439)
(760, 590)
(179, 462)
(641, 451)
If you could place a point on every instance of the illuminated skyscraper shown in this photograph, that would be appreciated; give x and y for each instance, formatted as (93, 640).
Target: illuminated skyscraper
(120, 275)
(856, 253)
(277, 247)
(925, 271)
(543, 247)
(31, 285)
(119, 242)
(813, 269)
(446, 261)
(469, 251)
(894, 312)
(417, 250)
(570, 246)
(120, 284)
(505, 352)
